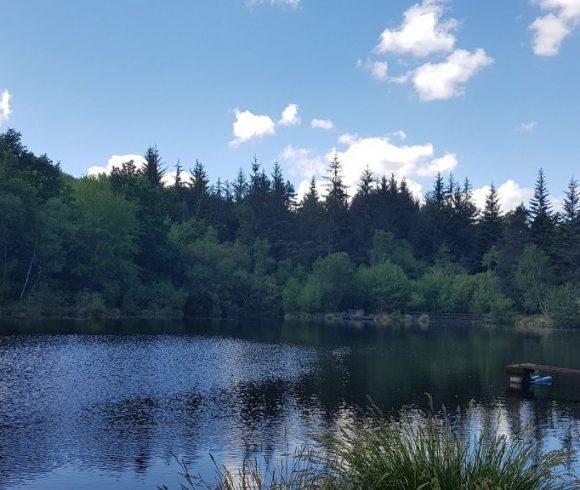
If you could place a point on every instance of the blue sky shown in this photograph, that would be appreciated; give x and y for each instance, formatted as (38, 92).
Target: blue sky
(488, 89)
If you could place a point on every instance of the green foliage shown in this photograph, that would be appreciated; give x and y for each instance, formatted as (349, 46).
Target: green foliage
(383, 287)
(386, 247)
(154, 298)
(563, 305)
(413, 450)
(126, 243)
(533, 278)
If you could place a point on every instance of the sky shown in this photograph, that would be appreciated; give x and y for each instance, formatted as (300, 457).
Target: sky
(488, 90)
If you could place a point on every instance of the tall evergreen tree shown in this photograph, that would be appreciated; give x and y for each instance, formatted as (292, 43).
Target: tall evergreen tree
(541, 215)
(572, 202)
(490, 224)
(152, 168)
(336, 206)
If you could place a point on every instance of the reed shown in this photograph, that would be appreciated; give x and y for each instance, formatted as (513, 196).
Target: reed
(413, 450)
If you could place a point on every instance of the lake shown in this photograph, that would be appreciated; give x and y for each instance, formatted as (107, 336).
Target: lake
(110, 404)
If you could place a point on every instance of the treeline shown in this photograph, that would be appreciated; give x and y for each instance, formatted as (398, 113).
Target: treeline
(127, 243)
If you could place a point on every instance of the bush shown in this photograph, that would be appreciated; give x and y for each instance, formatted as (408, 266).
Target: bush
(382, 287)
(563, 306)
(159, 297)
(90, 305)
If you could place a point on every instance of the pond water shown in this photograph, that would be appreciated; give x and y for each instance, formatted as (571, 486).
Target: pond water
(110, 405)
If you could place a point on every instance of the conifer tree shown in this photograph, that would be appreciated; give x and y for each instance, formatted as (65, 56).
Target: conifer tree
(490, 224)
(152, 168)
(541, 215)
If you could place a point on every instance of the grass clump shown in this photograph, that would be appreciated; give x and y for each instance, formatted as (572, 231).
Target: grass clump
(414, 450)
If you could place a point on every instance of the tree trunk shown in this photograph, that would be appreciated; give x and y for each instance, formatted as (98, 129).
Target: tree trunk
(32, 259)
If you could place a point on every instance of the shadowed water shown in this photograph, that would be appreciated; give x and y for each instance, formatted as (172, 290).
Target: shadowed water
(109, 405)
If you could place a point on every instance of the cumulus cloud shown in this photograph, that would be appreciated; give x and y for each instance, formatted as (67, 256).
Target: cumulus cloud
(527, 127)
(381, 156)
(275, 3)
(443, 164)
(322, 124)
(290, 116)
(510, 194)
(445, 80)
(421, 33)
(116, 161)
(5, 109)
(551, 29)
(248, 126)
(304, 187)
(378, 69)
(301, 162)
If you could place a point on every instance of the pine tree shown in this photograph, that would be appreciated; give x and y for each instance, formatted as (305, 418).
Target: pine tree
(152, 169)
(199, 182)
(572, 202)
(568, 241)
(541, 215)
(178, 183)
(310, 224)
(490, 224)
(240, 187)
(336, 206)
(366, 183)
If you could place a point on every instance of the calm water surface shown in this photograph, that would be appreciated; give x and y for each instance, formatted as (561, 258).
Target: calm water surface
(109, 405)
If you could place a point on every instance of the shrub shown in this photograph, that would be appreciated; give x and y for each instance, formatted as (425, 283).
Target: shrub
(563, 305)
(157, 297)
(383, 286)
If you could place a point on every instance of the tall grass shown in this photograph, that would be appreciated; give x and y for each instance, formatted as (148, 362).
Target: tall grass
(414, 450)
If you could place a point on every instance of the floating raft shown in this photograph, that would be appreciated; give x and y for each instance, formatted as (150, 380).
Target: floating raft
(521, 374)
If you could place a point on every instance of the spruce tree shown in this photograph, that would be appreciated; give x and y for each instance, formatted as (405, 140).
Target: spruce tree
(152, 168)
(572, 202)
(490, 224)
(541, 215)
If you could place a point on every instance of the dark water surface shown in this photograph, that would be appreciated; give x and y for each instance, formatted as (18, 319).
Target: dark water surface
(96, 405)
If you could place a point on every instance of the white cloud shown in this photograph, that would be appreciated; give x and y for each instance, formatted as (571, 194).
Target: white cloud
(116, 161)
(527, 127)
(304, 187)
(443, 164)
(169, 178)
(290, 116)
(347, 139)
(551, 29)
(322, 124)
(301, 162)
(400, 134)
(445, 80)
(5, 109)
(248, 126)
(422, 32)
(378, 153)
(276, 3)
(510, 194)
(378, 69)
(381, 156)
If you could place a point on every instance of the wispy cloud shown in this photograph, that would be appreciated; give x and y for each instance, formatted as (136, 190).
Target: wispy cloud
(294, 4)
(326, 124)
(527, 127)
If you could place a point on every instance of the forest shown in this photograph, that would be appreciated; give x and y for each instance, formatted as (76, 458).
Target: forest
(126, 244)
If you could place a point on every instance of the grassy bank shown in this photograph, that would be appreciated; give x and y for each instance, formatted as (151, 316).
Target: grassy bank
(414, 450)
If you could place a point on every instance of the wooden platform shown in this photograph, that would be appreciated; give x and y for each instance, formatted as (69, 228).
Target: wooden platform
(529, 368)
